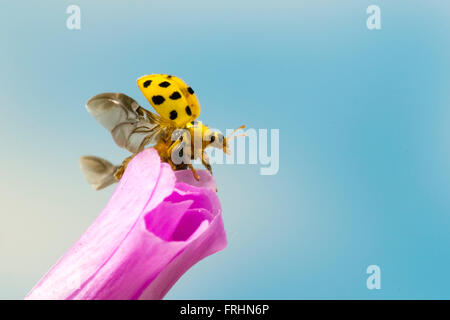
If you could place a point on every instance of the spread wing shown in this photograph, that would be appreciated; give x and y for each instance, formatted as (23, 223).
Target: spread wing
(131, 126)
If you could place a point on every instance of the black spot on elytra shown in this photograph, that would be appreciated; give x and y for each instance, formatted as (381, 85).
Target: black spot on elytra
(164, 84)
(147, 83)
(158, 99)
(175, 95)
(169, 76)
(173, 115)
(190, 90)
(189, 112)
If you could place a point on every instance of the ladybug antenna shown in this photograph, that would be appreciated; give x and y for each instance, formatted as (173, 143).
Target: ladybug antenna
(232, 136)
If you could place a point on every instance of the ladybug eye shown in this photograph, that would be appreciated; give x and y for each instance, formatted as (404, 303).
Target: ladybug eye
(213, 138)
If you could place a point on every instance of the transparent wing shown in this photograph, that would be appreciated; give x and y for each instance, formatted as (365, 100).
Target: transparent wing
(131, 126)
(98, 172)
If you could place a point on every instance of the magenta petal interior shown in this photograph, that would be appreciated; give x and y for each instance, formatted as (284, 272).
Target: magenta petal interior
(163, 220)
(189, 223)
(185, 192)
(179, 216)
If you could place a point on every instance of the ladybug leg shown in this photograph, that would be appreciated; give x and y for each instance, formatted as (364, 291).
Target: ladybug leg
(121, 169)
(205, 161)
(191, 167)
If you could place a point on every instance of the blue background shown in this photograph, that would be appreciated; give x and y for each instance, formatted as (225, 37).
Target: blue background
(364, 137)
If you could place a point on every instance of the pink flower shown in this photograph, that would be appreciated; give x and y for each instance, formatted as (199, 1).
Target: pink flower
(157, 224)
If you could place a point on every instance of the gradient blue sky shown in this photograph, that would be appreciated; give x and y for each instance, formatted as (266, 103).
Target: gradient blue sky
(364, 137)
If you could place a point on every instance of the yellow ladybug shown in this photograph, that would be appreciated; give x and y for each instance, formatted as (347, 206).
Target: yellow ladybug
(133, 127)
(171, 98)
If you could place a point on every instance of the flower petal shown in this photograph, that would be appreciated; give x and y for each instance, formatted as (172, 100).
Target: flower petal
(104, 236)
(153, 229)
(206, 180)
